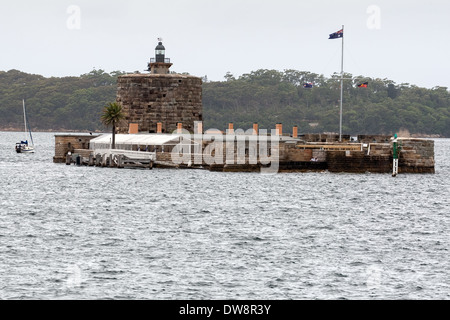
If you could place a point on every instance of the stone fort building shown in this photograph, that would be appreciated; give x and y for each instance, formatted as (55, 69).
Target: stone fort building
(160, 101)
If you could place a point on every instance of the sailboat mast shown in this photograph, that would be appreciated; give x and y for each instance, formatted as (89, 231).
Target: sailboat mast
(24, 116)
(342, 87)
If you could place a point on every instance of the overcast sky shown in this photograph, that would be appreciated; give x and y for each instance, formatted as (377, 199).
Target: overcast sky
(404, 41)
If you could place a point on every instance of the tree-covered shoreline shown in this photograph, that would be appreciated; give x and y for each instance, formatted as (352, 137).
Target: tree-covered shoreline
(269, 97)
(263, 96)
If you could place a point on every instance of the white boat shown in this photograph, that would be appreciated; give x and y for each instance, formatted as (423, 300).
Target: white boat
(25, 146)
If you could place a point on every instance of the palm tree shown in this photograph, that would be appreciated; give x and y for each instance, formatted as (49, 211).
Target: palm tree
(112, 114)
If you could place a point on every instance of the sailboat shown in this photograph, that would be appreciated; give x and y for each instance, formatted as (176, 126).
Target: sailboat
(24, 146)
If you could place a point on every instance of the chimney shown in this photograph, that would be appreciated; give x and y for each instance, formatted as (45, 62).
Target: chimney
(255, 128)
(230, 128)
(279, 129)
(159, 127)
(295, 132)
(133, 128)
(199, 127)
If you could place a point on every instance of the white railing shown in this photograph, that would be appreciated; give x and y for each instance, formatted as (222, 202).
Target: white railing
(137, 155)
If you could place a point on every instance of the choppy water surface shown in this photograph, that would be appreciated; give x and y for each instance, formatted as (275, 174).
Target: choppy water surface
(70, 232)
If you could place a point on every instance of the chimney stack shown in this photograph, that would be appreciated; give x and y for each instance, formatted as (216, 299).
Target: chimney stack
(279, 129)
(295, 132)
(230, 128)
(199, 126)
(255, 128)
(133, 128)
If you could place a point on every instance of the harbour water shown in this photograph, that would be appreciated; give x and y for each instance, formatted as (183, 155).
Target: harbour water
(69, 232)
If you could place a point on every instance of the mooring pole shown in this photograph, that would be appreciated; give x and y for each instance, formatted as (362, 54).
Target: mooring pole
(69, 158)
(395, 156)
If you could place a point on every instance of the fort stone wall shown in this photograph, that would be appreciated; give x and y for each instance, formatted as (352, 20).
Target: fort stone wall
(70, 143)
(168, 99)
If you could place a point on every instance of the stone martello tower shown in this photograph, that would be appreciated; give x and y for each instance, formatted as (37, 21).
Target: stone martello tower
(160, 97)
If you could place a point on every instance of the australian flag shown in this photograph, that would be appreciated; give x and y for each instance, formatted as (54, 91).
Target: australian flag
(337, 34)
(308, 85)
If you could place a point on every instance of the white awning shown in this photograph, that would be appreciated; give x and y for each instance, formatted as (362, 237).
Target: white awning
(127, 140)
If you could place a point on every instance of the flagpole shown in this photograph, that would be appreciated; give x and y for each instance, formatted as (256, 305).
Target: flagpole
(342, 87)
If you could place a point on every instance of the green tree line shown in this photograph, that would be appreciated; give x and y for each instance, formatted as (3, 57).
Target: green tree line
(68, 103)
(263, 96)
(269, 97)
